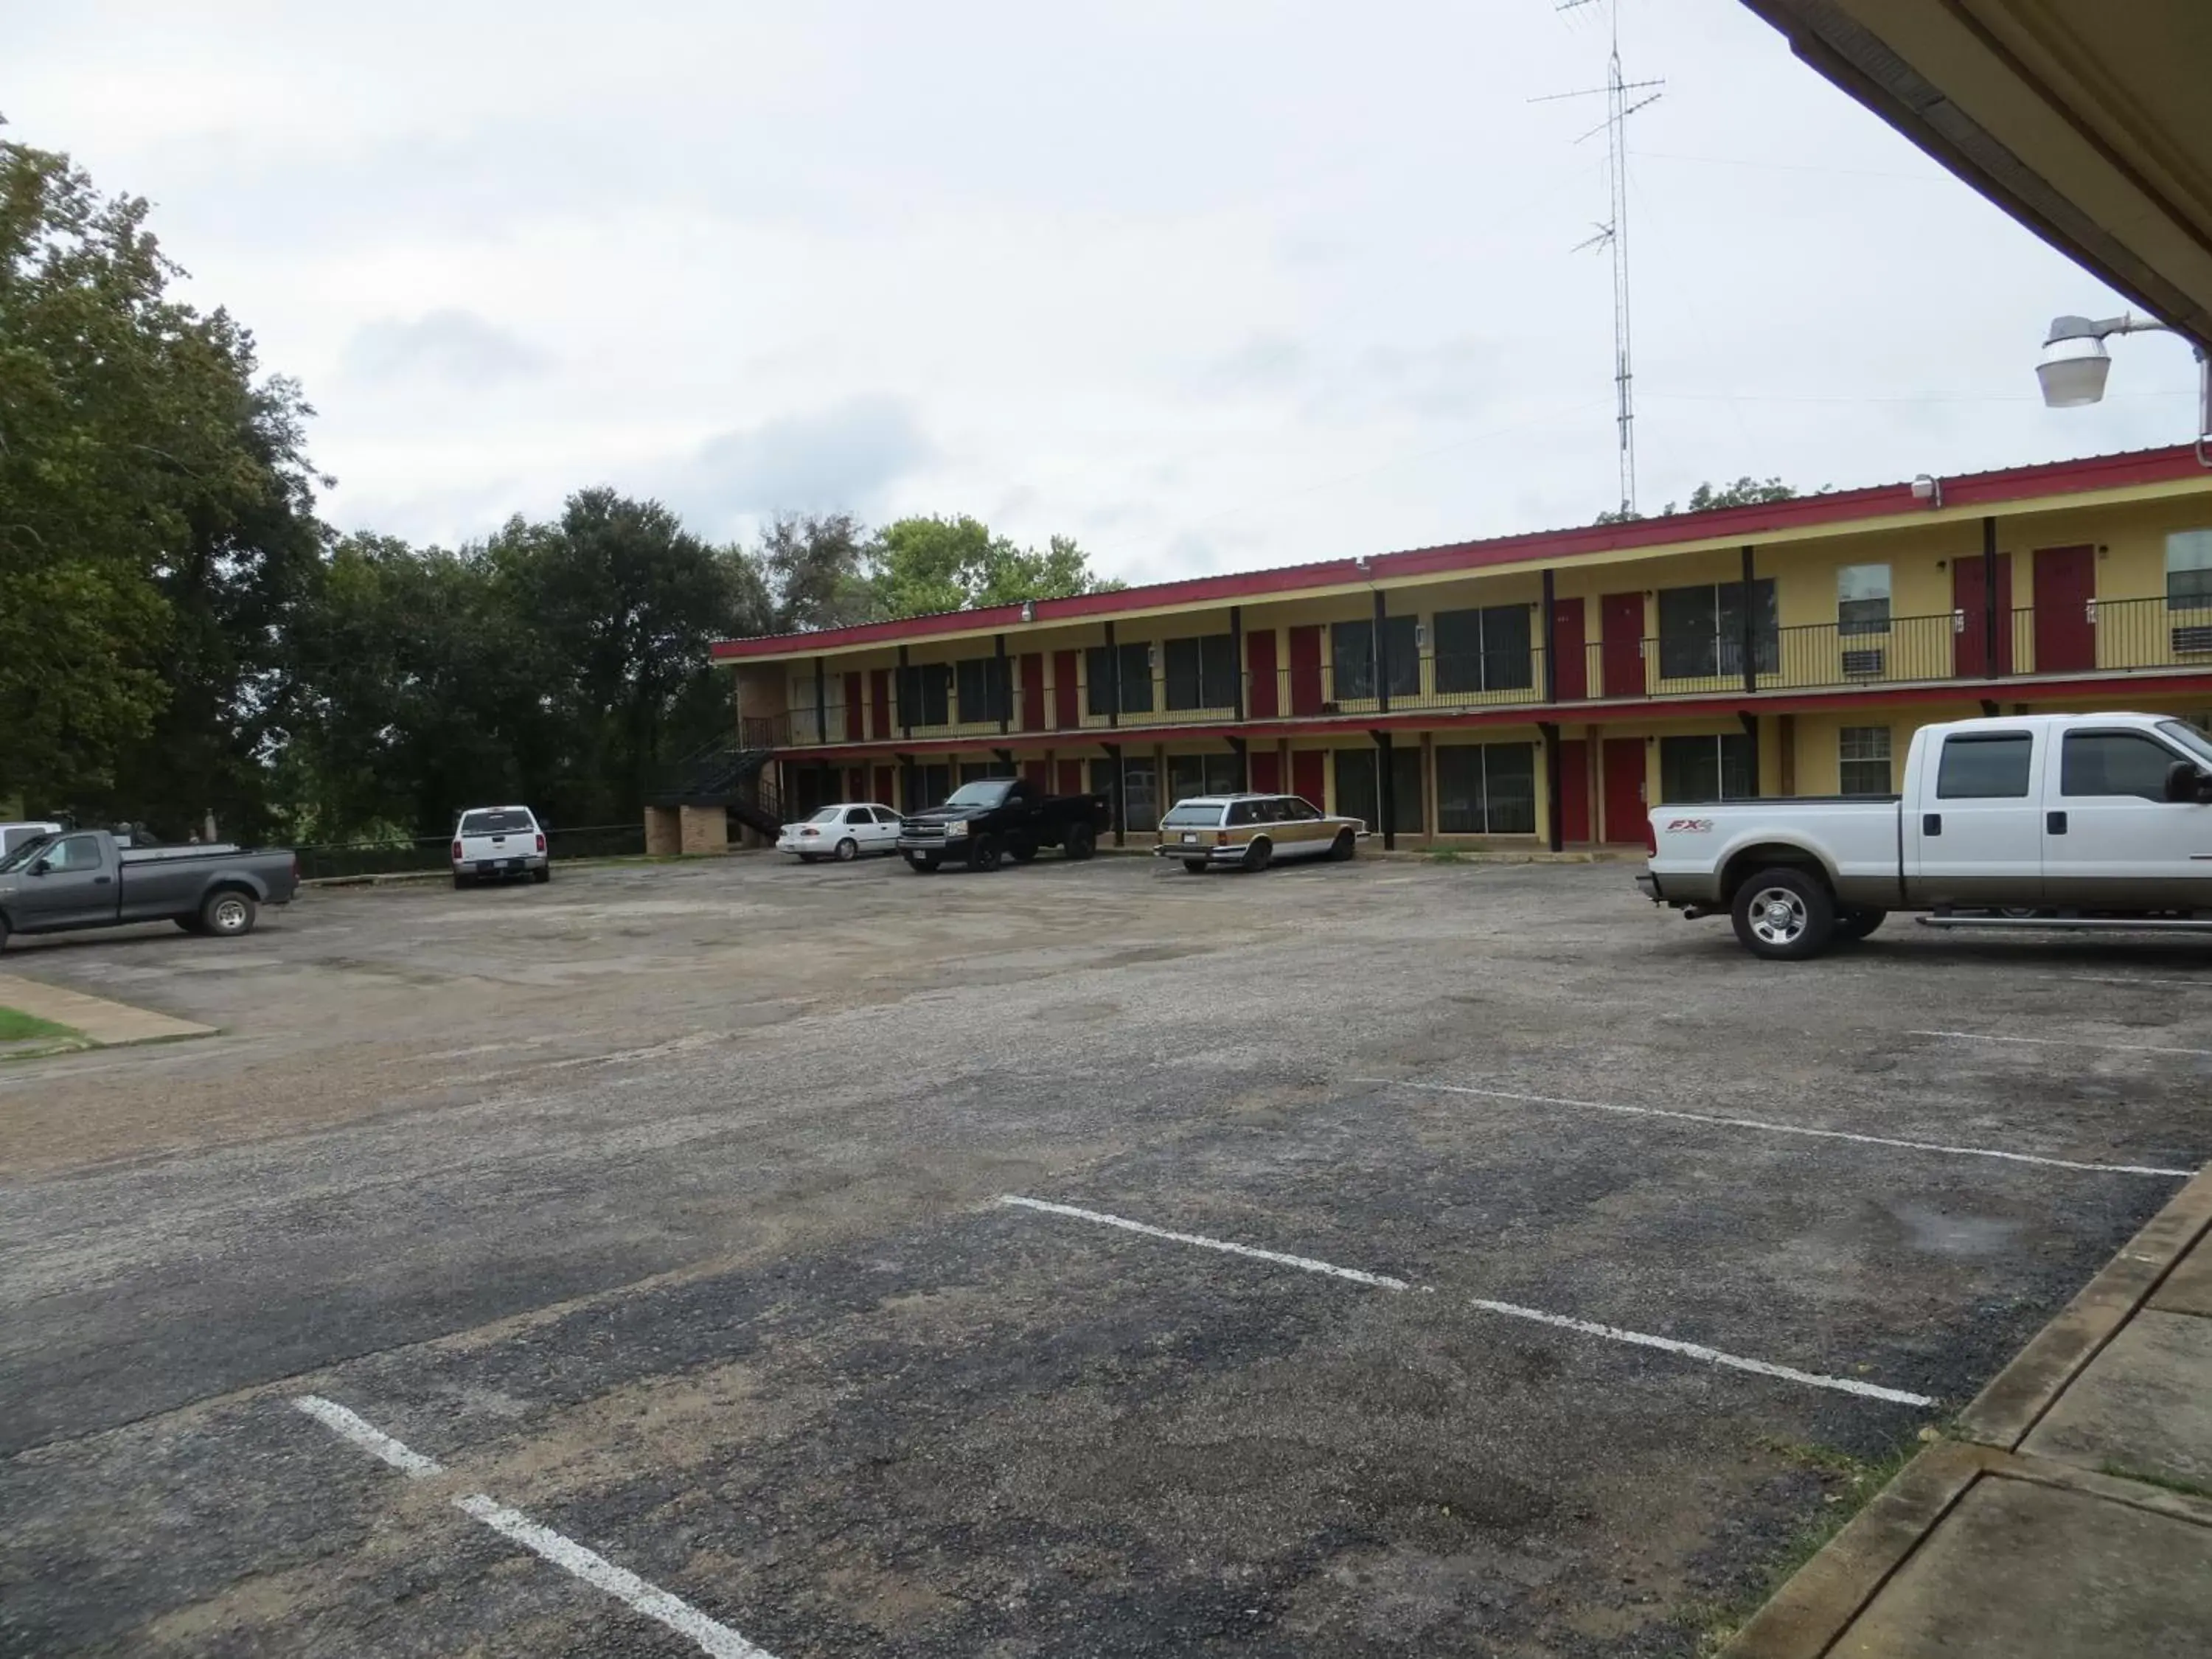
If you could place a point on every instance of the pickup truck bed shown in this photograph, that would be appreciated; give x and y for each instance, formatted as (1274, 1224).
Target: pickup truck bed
(2066, 820)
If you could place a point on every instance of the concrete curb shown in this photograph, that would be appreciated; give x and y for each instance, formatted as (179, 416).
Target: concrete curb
(2004, 1412)
(1810, 1614)
(103, 1023)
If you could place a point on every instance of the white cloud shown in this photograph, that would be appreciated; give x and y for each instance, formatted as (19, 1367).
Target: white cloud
(451, 345)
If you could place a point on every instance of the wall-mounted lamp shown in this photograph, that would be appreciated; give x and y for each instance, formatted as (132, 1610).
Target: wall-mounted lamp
(1929, 489)
(1363, 565)
(1028, 610)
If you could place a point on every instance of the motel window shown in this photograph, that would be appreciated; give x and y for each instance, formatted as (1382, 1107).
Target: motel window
(1142, 783)
(986, 685)
(1351, 646)
(1995, 768)
(925, 693)
(1357, 772)
(1204, 775)
(1201, 673)
(1701, 630)
(1717, 768)
(1863, 752)
(2189, 570)
(1486, 789)
(926, 787)
(1484, 650)
(977, 771)
(1863, 600)
(1136, 665)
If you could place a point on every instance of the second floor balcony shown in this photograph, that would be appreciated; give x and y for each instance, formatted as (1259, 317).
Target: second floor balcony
(1137, 689)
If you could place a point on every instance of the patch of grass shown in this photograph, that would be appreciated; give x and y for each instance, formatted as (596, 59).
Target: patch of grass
(2171, 1482)
(16, 1026)
(1447, 855)
(1850, 1481)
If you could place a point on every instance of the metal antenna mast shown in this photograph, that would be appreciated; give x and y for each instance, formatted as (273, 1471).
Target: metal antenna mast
(1613, 232)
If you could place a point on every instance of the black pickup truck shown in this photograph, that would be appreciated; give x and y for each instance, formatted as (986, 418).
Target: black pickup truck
(997, 819)
(86, 878)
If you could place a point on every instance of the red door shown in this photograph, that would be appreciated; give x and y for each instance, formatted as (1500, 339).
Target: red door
(1970, 642)
(886, 785)
(1571, 654)
(1305, 679)
(1624, 817)
(1309, 771)
(1032, 691)
(852, 715)
(2066, 589)
(879, 705)
(1620, 624)
(856, 782)
(1064, 704)
(1071, 772)
(1574, 791)
(1260, 661)
(1033, 774)
(1265, 767)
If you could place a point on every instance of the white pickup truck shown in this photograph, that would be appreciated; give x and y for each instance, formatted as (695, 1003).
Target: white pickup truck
(2085, 821)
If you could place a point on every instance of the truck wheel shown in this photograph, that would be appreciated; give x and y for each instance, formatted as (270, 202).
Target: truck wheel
(1196, 866)
(460, 881)
(1020, 848)
(922, 864)
(983, 853)
(1082, 841)
(227, 914)
(1856, 923)
(542, 874)
(1783, 914)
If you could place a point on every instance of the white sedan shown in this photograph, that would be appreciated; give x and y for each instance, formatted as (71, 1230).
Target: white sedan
(844, 831)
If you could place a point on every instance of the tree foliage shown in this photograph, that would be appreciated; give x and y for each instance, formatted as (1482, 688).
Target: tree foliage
(181, 635)
(1744, 492)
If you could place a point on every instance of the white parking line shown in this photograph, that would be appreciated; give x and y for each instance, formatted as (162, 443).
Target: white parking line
(2205, 984)
(570, 1557)
(1306, 1264)
(2063, 1043)
(1585, 1327)
(1783, 1129)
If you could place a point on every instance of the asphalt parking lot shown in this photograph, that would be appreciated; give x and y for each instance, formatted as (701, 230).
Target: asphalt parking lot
(1417, 1258)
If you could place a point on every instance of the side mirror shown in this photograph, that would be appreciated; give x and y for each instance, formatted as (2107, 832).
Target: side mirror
(39, 867)
(2185, 782)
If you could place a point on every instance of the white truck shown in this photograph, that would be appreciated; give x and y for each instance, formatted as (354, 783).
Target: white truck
(2081, 821)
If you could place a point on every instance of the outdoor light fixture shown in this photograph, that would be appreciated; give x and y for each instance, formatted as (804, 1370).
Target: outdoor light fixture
(1927, 488)
(2074, 366)
(1028, 610)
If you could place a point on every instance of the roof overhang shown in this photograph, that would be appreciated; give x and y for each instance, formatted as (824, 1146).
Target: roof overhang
(2086, 120)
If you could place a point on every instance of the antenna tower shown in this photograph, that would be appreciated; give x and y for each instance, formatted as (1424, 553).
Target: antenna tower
(1621, 102)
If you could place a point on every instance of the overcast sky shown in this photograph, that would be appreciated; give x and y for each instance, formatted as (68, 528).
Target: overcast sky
(1204, 285)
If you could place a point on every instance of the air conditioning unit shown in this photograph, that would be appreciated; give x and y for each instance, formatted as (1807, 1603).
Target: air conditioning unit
(1863, 665)
(2193, 639)
(1421, 636)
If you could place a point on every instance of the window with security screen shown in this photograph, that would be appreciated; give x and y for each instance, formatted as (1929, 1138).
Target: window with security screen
(2189, 570)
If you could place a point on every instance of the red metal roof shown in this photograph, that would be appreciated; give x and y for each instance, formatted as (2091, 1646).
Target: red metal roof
(1985, 489)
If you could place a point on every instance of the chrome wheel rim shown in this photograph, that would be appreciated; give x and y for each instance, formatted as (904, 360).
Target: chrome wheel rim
(1778, 916)
(230, 914)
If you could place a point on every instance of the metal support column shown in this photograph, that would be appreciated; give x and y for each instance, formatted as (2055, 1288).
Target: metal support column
(1989, 658)
(1750, 628)
(1237, 657)
(1003, 687)
(1547, 639)
(1554, 792)
(1386, 785)
(1114, 702)
(905, 690)
(1382, 655)
(821, 700)
(1121, 801)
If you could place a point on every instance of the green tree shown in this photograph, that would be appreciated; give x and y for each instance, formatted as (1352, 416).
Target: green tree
(1744, 492)
(812, 569)
(919, 566)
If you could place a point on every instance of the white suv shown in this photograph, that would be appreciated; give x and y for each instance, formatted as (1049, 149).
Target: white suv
(493, 842)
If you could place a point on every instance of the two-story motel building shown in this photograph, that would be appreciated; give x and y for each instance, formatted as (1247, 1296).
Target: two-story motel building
(1532, 691)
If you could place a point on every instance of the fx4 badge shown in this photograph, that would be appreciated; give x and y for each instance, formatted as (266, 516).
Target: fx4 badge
(1689, 826)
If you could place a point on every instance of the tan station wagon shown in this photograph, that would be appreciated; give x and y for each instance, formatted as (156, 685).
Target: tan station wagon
(1249, 832)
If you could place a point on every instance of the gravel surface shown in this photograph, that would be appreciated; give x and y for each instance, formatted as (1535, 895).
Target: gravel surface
(662, 1204)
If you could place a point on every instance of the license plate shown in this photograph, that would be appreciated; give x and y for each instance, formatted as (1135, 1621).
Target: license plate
(1189, 840)
(486, 866)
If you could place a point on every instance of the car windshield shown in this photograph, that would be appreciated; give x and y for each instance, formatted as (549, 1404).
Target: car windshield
(493, 823)
(26, 852)
(1186, 815)
(2189, 738)
(827, 815)
(988, 792)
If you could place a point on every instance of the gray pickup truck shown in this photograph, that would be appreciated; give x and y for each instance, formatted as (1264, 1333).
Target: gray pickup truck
(85, 878)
